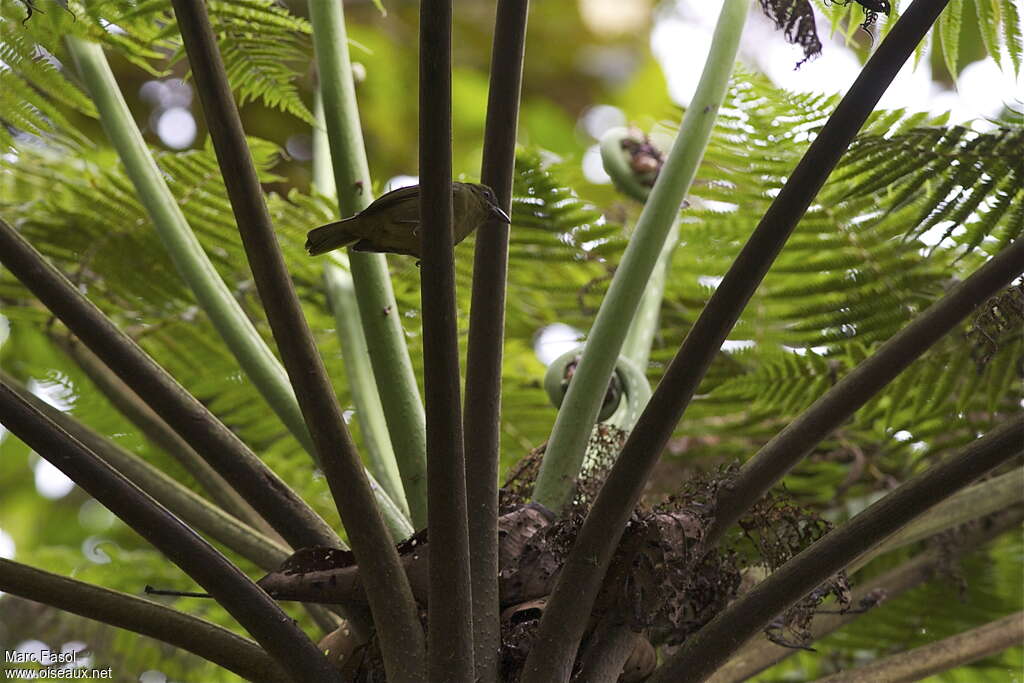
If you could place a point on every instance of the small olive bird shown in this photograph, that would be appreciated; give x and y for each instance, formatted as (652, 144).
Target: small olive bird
(392, 222)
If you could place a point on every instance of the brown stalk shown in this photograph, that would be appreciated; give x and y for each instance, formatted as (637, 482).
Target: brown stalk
(759, 654)
(710, 647)
(200, 637)
(272, 498)
(252, 607)
(571, 603)
(158, 432)
(391, 603)
(934, 658)
(482, 419)
(450, 626)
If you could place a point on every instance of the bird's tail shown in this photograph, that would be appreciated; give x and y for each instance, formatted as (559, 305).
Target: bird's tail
(328, 237)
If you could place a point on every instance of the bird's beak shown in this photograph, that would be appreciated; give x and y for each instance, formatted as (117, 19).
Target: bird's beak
(498, 212)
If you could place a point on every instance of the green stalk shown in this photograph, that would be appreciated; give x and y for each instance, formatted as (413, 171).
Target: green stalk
(394, 611)
(323, 172)
(637, 345)
(709, 648)
(341, 296)
(289, 515)
(187, 505)
(369, 412)
(985, 498)
(381, 322)
(760, 653)
(939, 656)
(569, 437)
(250, 605)
(253, 355)
(159, 433)
(617, 161)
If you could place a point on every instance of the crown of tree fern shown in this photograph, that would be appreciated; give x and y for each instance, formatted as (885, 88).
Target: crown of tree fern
(914, 206)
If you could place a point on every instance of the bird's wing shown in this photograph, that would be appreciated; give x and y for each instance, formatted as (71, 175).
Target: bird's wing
(390, 200)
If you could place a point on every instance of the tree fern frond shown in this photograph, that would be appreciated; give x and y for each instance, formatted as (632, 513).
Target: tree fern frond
(1010, 21)
(987, 13)
(266, 15)
(949, 27)
(783, 382)
(973, 591)
(264, 71)
(846, 281)
(262, 43)
(89, 222)
(553, 224)
(853, 273)
(36, 93)
(956, 177)
(36, 66)
(998, 21)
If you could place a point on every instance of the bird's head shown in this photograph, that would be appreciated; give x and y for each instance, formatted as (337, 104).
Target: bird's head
(486, 196)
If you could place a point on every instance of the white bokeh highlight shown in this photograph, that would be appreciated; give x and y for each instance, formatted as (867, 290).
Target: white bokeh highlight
(176, 127)
(50, 482)
(7, 545)
(554, 340)
(681, 38)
